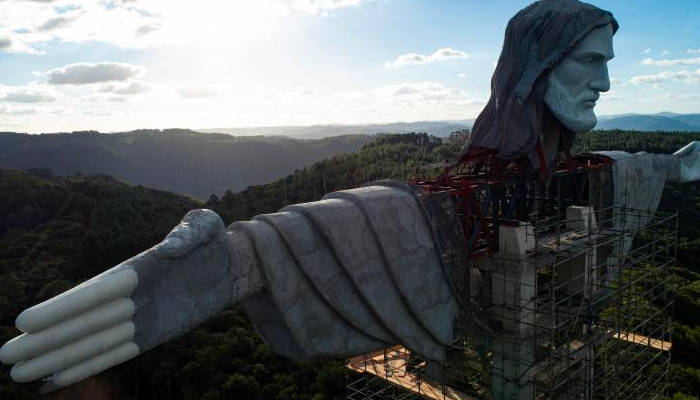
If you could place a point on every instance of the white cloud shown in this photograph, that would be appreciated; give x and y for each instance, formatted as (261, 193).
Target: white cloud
(17, 111)
(86, 73)
(132, 88)
(676, 96)
(26, 97)
(666, 76)
(610, 95)
(196, 92)
(85, 107)
(421, 92)
(646, 51)
(28, 94)
(58, 22)
(146, 29)
(97, 113)
(5, 43)
(319, 7)
(141, 24)
(462, 75)
(693, 51)
(408, 101)
(665, 52)
(445, 53)
(13, 42)
(671, 63)
(407, 59)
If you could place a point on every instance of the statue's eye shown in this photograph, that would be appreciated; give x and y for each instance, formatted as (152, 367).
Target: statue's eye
(587, 60)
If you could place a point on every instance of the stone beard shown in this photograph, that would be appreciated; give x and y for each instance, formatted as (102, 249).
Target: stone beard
(568, 109)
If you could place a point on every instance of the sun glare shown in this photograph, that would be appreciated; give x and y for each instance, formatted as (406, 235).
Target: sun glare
(207, 23)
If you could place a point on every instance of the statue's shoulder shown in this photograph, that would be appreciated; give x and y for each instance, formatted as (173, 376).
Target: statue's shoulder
(614, 155)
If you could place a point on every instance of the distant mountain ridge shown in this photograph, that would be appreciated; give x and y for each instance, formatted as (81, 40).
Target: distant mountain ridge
(435, 128)
(177, 160)
(664, 121)
(200, 164)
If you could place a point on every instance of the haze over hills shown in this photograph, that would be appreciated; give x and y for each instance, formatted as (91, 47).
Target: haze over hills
(435, 128)
(176, 160)
(664, 121)
(200, 163)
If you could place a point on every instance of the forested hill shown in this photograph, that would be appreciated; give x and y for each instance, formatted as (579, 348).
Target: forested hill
(404, 156)
(58, 231)
(176, 160)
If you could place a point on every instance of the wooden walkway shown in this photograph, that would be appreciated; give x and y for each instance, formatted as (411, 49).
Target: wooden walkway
(393, 370)
(643, 340)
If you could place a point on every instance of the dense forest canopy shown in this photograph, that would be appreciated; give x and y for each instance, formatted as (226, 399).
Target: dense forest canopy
(56, 231)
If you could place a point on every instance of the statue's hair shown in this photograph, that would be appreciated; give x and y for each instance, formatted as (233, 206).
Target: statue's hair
(536, 39)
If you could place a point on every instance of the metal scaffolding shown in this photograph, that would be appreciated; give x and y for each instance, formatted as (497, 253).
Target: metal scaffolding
(567, 296)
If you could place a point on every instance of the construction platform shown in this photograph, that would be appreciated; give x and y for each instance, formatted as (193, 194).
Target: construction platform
(569, 299)
(392, 365)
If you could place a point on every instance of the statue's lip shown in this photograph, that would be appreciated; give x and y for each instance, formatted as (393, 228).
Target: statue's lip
(592, 98)
(590, 101)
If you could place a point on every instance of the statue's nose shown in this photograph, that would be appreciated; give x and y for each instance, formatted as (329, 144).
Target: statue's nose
(601, 80)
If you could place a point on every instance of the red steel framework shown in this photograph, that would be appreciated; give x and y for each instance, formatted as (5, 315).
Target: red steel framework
(586, 330)
(481, 170)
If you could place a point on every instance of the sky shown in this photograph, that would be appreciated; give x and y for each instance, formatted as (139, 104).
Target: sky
(115, 65)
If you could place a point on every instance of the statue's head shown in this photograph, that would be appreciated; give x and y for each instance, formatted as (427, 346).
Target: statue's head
(552, 67)
(575, 83)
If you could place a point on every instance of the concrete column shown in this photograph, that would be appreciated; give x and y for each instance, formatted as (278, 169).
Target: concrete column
(580, 218)
(581, 272)
(513, 293)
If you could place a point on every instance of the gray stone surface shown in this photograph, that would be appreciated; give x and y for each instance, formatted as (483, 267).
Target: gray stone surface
(318, 260)
(354, 272)
(413, 261)
(181, 286)
(352, 239)
(318, 328)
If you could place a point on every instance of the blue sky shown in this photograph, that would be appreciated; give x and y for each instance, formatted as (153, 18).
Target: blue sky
(116, 65)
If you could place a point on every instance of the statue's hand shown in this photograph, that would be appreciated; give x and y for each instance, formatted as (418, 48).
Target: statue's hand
(142, 302)
(689, 160)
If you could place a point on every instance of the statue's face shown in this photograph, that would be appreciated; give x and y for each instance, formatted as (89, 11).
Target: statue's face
(575, 84)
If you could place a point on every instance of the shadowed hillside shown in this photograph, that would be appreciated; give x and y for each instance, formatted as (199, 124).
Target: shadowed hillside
(181, 161)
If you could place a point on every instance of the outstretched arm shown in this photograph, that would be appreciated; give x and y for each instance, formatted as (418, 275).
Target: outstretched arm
(340, 278)
(639, 178)
(161, 293)
(688, 169)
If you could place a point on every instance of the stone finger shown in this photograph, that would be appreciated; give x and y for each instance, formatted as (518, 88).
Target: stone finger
(72, 354)
(98, 290)
(92, 366)
(31, 345)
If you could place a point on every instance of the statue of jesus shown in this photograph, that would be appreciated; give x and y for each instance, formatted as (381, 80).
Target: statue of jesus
(361, 269)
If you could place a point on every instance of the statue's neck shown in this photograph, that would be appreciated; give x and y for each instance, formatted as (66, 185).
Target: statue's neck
(551, 142)
(551, 139)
